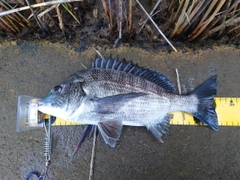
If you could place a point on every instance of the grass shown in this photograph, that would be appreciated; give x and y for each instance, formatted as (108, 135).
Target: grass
(184, 20)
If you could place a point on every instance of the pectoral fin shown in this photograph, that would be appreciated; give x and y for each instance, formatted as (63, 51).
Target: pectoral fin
(111, 131)
(111, 104)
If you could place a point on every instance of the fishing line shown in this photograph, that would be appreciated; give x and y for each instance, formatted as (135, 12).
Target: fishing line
(47, 150)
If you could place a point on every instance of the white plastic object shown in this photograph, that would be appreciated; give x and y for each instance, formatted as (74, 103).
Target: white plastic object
(28, 116)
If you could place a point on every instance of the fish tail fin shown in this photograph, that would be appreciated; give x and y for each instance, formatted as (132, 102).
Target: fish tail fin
(205, 94)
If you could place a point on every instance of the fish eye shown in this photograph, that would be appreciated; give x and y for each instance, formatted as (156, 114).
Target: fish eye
(57, 89)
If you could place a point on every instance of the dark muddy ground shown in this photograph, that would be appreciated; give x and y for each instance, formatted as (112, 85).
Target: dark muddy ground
(189, 152)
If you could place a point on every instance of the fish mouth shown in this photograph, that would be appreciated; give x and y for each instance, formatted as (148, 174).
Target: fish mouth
(44, 107)
(41, 103)
(48, 108)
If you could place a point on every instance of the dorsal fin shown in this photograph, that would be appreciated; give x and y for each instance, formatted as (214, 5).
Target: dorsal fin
(129, 67)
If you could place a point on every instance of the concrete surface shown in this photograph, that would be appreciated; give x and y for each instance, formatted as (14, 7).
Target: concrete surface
(189, 152)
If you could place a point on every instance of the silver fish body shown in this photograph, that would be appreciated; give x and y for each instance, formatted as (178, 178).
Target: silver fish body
(114, 93)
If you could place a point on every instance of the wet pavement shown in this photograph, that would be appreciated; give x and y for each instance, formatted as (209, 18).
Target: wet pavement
(188, 152)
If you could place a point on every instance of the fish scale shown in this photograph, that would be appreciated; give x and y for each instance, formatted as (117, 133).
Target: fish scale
(227, 108)
(114, 93)
(134, 69)
(102, 78)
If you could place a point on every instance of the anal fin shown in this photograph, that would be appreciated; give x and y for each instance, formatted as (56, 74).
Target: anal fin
(111, 131)
(158, 130)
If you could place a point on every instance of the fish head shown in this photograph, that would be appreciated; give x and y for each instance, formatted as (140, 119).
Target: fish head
(64, 98)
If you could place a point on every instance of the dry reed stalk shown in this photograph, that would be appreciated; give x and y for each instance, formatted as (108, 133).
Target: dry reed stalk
(110, 14)
(4, 27)
(48, 3)
(156, 26)
(12, 23)
(178, 24)
(7, 24)
(13, 16)
(197, 15)
(205, 17)
(106, 9)
(212, 28)
(130, 16)
(233, 29)
(39, 22)
(235, 8)
(178, 11)
(19, 14)
(208, 21)
(233, 12)
(232, 22)
(226, 24)
(226, 12)
(125, 13)
(47, 10)
(237, 35)
(61, 25)
(225, 17)
(119, 14)
(170, 5)
(151, 13)
(191, 15)
(44, 15)
(230, 30)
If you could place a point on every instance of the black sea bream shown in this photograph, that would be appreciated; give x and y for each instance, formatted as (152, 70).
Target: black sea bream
(114, 93)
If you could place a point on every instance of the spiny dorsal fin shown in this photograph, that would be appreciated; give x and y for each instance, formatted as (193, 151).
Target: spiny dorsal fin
(129, 67)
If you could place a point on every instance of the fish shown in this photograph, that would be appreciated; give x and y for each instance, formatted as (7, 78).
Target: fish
(114, 93)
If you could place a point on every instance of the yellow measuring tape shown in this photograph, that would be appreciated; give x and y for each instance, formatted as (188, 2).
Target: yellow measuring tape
(227, 108)
(228, 112)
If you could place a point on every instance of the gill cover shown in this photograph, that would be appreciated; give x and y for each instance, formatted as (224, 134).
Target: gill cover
(73, 91)
(63, 98)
